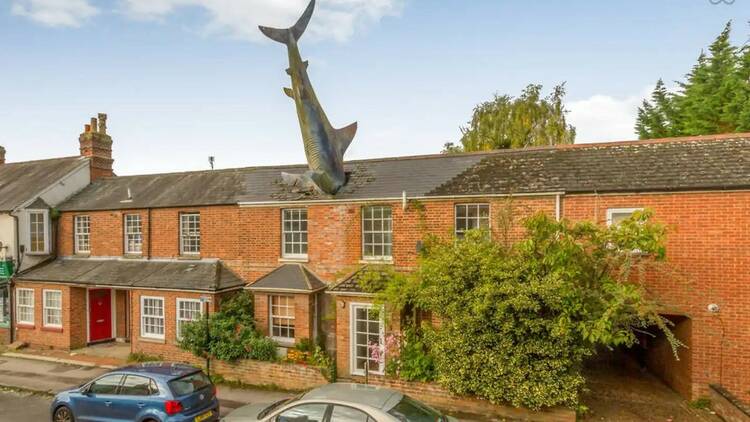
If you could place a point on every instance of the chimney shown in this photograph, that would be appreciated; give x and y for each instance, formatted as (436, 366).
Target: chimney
(2, 155)
(97, 145)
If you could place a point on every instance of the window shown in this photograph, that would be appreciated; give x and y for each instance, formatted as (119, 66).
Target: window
(377, 226)
(152, 317)
(189, 384)
(187, 310)
(282, 317)
(304, 412)
(135, 385)
(25, 306)
(106, 385)
(190, 234)
(38, 231)
(4, 310)
(52, 309)
(471, 216)
(409, 409)
(367, 333)
(82, 231)
(133, 234)
(616, 216)
(349, 414)
(294, 238)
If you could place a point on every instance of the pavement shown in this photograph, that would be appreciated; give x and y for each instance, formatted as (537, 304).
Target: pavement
(39, 380)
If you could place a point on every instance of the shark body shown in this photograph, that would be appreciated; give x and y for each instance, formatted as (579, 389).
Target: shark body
(324, 145)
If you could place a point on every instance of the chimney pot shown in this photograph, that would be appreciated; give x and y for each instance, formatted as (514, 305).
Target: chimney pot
(86, 128)
(93, 124)
(97, 146)
(102, 123)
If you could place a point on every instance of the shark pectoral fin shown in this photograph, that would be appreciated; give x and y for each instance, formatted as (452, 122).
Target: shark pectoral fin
(288, 71)
(344, 137)
(289, 93)
(306, 63)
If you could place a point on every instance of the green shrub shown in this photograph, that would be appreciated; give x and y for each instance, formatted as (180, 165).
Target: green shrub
(139, 357)
(411, 359)
(262, 348)
(701, 403)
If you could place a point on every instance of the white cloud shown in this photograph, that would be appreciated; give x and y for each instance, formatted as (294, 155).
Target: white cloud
(605, 118)
(334, 19)
(54, 12)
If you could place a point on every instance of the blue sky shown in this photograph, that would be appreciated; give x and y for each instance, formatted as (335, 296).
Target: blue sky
(185, 79)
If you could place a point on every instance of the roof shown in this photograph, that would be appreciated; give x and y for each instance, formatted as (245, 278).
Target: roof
(166, 370)
(289, 277)
(201, 275)
(350, 284)
(692, 163)
(23, 181)
(368, 395)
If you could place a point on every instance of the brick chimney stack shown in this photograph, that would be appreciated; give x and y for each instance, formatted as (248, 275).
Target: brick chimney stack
(97, 145)
(2, 155)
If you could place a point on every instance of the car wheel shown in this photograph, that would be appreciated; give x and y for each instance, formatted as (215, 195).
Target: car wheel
(63, 414)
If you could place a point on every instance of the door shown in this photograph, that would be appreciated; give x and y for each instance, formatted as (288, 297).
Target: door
(100, 315)
(366, 334)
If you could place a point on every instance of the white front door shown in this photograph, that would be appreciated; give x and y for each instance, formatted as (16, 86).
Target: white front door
(367, 329)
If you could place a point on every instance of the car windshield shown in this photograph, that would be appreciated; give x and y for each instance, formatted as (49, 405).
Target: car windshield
(410, 410)
(276, 405)
(189, 383)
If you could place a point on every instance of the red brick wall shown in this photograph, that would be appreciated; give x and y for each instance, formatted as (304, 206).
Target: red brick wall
(73, 332)
(708, 249)
(166, 348)
(4, 335)
(288, 376)
(303, 314)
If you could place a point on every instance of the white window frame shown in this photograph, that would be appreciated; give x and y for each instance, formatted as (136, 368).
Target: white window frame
(46, 308)
(4, 305)
(19, 306)
(353, 339)
(613, 211)
(382, 232)
(77, 234)
(284, 232)
(144, 334)
(45, 231)
(290, 304)
(459, 234)
(138, 234)
(179, 319)
(183, 237)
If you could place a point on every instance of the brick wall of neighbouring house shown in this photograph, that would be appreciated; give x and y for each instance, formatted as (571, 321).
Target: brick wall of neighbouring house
(167, 348)
(72, 334)
(4, 335)
(708, 250)
(288, 376)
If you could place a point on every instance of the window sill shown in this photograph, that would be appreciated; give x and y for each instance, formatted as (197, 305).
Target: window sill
(152, 340)
(376, 261)
(294, 259)
(25, 326)
(132, 256)
(36, 253)
(82, 255)
(284, 342)
(192, 257)
(53, 329)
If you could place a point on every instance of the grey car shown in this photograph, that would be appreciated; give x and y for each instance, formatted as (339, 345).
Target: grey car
(342, 402)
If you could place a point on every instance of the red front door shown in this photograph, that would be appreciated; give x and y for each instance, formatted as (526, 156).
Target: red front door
(100, 315)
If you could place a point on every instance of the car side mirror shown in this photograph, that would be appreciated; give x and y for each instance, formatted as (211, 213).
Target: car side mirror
(85, 390)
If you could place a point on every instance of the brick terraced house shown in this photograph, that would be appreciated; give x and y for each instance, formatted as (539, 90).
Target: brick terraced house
(135, 254)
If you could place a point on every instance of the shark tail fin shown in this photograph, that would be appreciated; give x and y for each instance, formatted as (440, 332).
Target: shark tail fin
(285, 36)
(344, 137)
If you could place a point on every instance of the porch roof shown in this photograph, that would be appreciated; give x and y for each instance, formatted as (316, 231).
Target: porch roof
(289, 278)
(200, 275)
(350, 284)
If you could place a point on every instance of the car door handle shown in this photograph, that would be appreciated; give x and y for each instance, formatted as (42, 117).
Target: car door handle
(107, 403)
(140, 405)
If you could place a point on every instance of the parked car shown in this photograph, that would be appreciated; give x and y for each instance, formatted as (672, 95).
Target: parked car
(147, 392)
(341, 402)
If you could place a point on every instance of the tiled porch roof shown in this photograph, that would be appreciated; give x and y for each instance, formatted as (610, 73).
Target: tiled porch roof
(289, 277)
(350, 284)
(209, 276)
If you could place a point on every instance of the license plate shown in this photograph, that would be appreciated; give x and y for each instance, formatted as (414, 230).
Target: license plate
(204, 416)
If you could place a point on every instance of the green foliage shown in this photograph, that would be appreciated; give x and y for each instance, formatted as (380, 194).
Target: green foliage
(139, 357)
(701, 403)
(518, 320)
(508, 122)
(231, 333)
(409, 357)
(714, 98)
(304, 345)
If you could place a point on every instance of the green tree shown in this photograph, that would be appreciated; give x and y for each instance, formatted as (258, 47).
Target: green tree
(712, 99)
(508, 122)
(518, 320)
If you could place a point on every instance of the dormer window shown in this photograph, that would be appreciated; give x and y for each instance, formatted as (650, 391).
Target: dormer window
(37, 239)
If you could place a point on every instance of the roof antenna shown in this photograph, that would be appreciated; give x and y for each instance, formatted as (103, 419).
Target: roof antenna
(211, 160)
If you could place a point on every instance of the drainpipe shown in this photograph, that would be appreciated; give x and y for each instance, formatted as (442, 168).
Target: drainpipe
(148, 255)
(558, 210)
(11, 307)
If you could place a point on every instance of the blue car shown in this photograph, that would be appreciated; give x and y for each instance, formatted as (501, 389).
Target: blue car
(147, 392)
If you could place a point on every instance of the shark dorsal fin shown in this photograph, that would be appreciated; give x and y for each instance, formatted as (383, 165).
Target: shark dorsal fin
(344, 137)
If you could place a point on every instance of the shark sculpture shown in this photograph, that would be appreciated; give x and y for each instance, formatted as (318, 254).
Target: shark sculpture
(324, 145)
